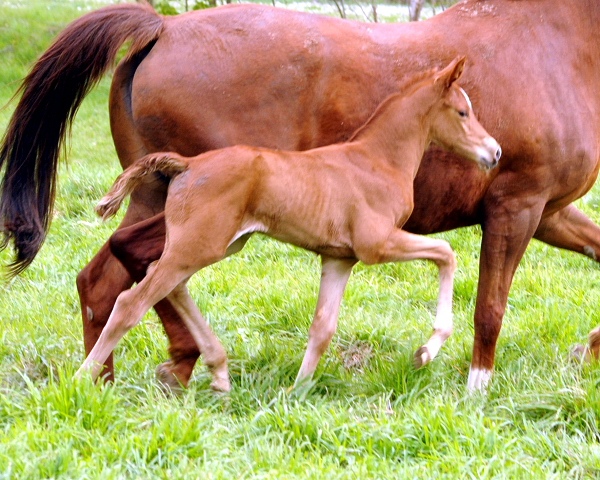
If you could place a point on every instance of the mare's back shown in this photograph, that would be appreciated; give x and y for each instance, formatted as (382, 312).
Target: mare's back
(270, 77)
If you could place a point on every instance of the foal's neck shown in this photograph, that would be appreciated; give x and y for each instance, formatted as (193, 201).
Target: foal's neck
(398, 132)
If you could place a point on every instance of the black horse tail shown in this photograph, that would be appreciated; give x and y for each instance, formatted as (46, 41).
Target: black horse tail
(169, 165)
(51, 95)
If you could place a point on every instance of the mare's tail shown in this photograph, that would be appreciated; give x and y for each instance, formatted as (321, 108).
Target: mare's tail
(167, 164)
(52, 93)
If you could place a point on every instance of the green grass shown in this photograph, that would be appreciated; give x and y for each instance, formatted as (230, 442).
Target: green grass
(375, 419)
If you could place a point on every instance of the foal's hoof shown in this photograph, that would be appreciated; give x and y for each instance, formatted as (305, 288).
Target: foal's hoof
(580, 354)
(421, 357)
(166, 377)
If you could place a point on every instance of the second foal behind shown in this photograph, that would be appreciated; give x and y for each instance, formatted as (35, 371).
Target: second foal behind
(346, 202)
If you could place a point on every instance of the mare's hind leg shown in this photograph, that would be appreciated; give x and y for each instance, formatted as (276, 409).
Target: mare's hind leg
(572, 230)
(213, 354)
(104, 278)
(334, 277)
(99, 284)
(402, 246)
(136, 247)
(129, 308)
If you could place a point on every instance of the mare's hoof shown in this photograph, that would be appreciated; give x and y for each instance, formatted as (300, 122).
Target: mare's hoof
(580, 354)
(421, 357)
(167, 378)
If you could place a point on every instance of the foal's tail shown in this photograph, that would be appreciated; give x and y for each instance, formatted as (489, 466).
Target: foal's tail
(167, 164)
(52, 93)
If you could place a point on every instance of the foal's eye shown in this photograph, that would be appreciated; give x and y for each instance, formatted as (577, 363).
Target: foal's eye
(463, 113)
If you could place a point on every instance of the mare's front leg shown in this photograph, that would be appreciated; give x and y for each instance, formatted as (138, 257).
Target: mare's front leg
(509, 223)
(334, 277)
(402, 246)
(572, 230)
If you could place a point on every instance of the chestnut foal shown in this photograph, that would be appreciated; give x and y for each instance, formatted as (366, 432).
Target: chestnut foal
(346, 202)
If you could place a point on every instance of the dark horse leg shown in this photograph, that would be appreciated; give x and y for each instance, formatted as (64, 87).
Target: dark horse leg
(97, 303)
(510, 223)
(136, 247)
(572, 230)
(105, 277)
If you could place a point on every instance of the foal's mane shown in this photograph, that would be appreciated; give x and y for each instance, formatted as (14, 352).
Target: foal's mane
(404, 88)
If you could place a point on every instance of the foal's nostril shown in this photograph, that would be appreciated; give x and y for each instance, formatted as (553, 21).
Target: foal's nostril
(498, 154)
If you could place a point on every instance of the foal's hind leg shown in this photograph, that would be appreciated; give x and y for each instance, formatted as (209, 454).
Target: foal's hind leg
(104, 278)
(334, 276)
(136, 247)
(402, 246)
(213, 353)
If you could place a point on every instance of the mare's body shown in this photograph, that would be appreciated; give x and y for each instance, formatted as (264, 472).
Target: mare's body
(249, 74)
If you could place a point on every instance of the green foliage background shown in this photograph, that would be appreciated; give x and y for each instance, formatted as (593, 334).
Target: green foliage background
(368, 414)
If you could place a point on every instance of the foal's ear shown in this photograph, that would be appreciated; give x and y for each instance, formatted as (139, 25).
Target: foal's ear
(452, 72)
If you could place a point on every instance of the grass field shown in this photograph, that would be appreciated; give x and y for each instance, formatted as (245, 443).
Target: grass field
(368, 415)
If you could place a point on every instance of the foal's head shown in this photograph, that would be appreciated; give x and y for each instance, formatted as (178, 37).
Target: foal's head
(453, 123)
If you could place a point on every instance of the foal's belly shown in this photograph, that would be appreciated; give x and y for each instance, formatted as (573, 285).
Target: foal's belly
(331, 243)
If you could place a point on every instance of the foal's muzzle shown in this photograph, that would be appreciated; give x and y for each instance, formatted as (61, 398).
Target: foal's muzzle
(489, 153)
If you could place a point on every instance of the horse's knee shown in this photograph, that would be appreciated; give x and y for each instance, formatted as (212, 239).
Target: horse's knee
(446, 257)
(487, 330)
(451, 256)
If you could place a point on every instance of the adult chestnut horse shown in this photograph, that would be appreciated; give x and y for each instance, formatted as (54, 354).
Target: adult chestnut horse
(254, 75)
(345, 202)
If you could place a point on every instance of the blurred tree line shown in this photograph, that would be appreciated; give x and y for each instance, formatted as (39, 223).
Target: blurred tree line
(367, 7)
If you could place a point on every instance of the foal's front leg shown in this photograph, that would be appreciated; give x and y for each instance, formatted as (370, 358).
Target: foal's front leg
(402, 246)
(334, 277)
